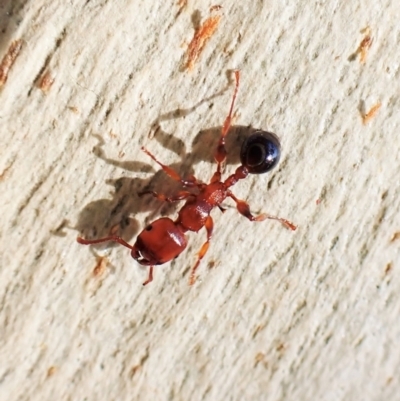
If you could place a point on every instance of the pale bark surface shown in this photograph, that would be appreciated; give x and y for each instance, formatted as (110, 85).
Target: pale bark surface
(275, 315)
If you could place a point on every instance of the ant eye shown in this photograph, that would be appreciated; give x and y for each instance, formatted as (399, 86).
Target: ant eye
(149, 227)
(260, 152)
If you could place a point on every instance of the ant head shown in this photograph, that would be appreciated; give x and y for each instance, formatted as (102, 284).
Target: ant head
(260, 152)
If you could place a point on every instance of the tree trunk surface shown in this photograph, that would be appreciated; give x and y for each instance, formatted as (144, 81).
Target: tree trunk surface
(275, 314)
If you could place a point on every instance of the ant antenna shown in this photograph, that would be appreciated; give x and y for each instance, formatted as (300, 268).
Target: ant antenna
(220, 153)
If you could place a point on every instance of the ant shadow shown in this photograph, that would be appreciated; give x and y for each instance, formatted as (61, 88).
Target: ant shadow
(103, 217)
(116, 216)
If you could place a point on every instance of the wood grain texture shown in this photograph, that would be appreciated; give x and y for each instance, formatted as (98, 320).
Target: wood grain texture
(275, 315)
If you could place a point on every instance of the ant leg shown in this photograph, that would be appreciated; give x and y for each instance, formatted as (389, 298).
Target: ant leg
(209, 227)
(172, 173)
(244, 209)
(150, 277)
(114, 238)
(180, 196)
(120, 241)
(220, 153)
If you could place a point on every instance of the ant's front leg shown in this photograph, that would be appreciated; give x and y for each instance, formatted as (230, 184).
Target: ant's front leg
(190, 182)
(181, 195)
(244, 209)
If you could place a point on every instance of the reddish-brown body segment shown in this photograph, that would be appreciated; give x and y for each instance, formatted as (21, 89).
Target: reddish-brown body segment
(160, 242)
(164, 239)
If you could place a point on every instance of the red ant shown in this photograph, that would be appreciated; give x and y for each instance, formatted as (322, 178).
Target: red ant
(165, 239)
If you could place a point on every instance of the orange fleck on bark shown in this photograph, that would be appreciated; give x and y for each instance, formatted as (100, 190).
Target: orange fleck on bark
(100, 266)
(134, 370)
(388, 268)
(363, 49)
(51, 370)
(200, 39)
(395, 236)
(45, 82)
(364, 45)
(182, 3)
(4, 173)
(74, 109)
(261, 358)
(8, 60)
(371, 113)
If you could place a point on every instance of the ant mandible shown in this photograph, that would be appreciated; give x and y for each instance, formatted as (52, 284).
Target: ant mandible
(165, 239)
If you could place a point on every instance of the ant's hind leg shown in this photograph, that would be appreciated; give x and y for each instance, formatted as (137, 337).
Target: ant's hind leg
(209, 227)
(150, 276)
(244, 209)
